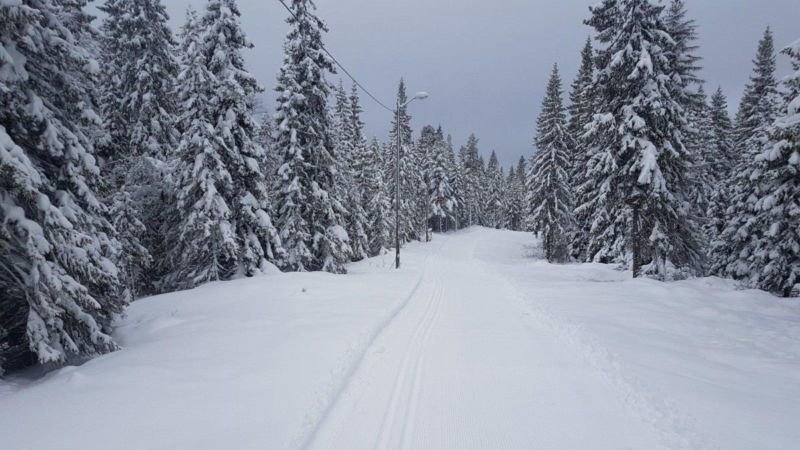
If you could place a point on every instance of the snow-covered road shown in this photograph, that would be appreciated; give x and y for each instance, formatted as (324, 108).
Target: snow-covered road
(462, 366)
(476, 343)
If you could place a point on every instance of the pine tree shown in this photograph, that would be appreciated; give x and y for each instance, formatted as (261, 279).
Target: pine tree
(138, 105)
(721, 165)
(310, 217)
(516, 214)
(581, 112)
(723, 135)
(759, 105)
(472, 173)
(637, 159)
(685, 62)
(264, 139)
(761, 243)
(550, 200)
(456, 182)
(495, 189)
(733, 250)
(60, 288)
(581, 108)
(699, 142)
(378, 203)
(410, 177)
(776, 265)
(139, 80)
(347, 127)
(439, 195)
(226, 229)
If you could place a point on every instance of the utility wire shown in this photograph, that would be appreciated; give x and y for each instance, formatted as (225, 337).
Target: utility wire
(366, 91)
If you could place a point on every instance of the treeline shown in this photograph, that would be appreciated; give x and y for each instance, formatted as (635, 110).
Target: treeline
(643, 169)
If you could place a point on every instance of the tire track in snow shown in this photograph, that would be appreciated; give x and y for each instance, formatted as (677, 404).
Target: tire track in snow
(311, 428)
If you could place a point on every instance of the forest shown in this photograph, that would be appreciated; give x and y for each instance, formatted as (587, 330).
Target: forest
(135, 161)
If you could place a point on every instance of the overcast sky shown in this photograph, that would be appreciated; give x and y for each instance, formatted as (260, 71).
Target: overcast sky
(486, 63)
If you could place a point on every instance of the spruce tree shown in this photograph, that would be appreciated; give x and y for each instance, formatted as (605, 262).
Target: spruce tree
(60, 288)
(346, 126)
(721, 165)
(226, 229)
(581, 111)
(760, 101)
(638, 162)
(495, 207)
(516, 212)
(410, 177)
(733, 250)
(471, 173)
(138, 83)
(685, 62)
(439, 195)
(550, 199)
(776, 265)
(310, 216)
(761, 242)
(378, 203)
(456, 182)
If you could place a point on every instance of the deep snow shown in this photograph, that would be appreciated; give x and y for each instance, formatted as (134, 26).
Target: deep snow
(475, 343)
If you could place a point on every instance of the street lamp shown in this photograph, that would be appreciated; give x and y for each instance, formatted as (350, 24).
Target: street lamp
(417, 96)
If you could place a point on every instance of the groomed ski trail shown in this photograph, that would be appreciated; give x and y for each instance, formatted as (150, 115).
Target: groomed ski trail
(460, 367)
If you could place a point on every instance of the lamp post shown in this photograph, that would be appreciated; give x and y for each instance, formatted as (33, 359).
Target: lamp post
(417, 96)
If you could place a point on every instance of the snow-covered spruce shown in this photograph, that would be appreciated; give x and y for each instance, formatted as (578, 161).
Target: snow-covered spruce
(637, 157)
(377, 203)
(140, 118)
(60, 287)
(769, 198)
(516, 212)
(225, 229)
(550, 197)
(721, 162)
(471, 168)
(495, 189)
(441, 197)
(581, 111)
(349, 147)
(310, 217)
(410, 176)
(733, 252)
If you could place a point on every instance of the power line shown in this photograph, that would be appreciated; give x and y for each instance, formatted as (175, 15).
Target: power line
(360, 86)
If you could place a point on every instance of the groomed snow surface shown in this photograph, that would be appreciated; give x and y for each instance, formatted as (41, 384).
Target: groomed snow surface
(475, 344)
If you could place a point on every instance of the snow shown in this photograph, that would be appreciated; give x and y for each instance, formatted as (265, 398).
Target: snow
(475, 343)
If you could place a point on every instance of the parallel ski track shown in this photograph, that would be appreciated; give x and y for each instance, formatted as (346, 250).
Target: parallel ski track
(399, 419)
(347, 379)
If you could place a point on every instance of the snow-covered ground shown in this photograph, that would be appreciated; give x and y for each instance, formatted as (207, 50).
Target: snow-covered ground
(475, 343)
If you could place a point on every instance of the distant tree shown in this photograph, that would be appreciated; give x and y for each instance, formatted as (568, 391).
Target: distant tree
(550, 197)
(378, 202)
(494, 187)
(471, 174)
(721, 165)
